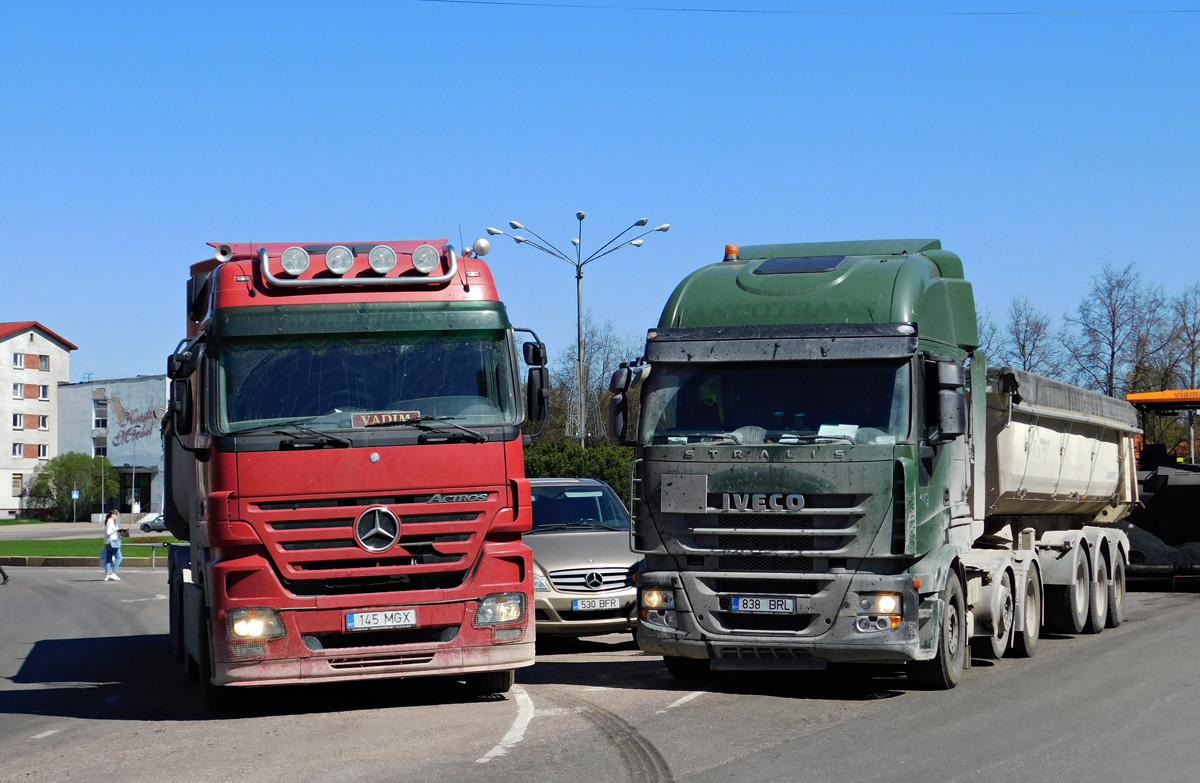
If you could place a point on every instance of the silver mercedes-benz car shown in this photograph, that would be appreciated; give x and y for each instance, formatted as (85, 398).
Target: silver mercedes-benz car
(583, 572)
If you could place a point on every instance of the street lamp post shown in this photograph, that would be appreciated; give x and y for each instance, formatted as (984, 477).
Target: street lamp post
(579, 262)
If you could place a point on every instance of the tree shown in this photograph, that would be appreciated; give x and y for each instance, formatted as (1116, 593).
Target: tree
(1116, 333)
(603, 351)
(562, 458)
(989, 338)
(55, 479)
(1027, 342)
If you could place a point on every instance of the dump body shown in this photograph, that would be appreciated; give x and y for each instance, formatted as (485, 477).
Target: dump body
(827, 470)
(344, 457)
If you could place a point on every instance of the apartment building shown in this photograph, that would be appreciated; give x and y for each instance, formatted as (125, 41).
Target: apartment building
(33, 362)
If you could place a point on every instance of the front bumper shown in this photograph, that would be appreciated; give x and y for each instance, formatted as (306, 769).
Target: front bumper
(830, 634)
(555, 613)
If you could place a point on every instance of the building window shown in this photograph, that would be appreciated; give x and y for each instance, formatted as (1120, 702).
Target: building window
(43, 392)
(19, 360)
(43, 362)
(16, 485)
(18, 450)
(43, 451)
(43, 422)
(99, 448)
(99, 414)
(18, 391)
(18, 421)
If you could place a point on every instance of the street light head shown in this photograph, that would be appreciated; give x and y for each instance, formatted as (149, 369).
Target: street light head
(663, 227)
(642, 221)
(515, 224)
(580, 214)
(494, 231)
(520, 239)
(575, 241)
(638, 242)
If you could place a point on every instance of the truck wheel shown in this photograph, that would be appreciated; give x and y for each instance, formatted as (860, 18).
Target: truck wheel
(995, 645)
(175, 617)
(1098, 598)
(1067, 605)
(217, 698)
(946, 669)
(688, 669)
(1116, 594)
(1024, 644)
(487, 683)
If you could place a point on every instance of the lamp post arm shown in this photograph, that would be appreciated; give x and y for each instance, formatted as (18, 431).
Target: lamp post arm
(601, 252)
(553, 250)
(614, 249)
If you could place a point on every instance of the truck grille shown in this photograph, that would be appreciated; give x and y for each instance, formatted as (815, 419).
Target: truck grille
(313, 545)
(777, 623)
(575, 580)
(827, 526)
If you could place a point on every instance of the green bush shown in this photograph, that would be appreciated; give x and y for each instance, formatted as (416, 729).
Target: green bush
(564, 458)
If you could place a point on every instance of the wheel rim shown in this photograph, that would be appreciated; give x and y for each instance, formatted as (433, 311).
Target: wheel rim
(1081, 588)
(1033, 619)
(953, 632)
(1007, 609)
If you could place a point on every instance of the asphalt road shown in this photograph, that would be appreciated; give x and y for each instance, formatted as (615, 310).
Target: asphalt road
(88, 691)
(52, 530)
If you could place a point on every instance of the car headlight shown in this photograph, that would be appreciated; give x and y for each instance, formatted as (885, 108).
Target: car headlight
(540, 584)
(500, 608)
(254, 624)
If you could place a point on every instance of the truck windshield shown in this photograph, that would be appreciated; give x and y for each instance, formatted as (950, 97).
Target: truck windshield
(323, 381)
(777, 403)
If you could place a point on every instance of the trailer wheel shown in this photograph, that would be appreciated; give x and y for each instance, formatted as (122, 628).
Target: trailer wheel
(995, 645)
(1067, 605)
(487, 683)
(688, 669)
(1098, 597)
(946, 669)
(1116, 594)
(1025, 643)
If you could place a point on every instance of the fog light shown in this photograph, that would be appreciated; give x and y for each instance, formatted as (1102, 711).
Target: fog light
(500, 608)
(507, 634)
(294, 260)
(425, 259)
(382, 259)
(254, 625)
(663, 617)
(339, 259)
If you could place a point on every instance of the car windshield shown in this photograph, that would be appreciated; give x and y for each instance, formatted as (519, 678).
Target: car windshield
(813, 402)
(558, 507)
(322, 381)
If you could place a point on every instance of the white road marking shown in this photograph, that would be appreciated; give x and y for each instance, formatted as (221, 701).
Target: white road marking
(159, 597)
(681, 701)
(45, 734)
(517, 732)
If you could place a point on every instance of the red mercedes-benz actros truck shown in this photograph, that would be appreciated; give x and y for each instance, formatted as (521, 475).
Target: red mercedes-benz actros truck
(344, 459)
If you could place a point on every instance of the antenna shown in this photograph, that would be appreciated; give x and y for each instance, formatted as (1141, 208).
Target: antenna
(460, 238)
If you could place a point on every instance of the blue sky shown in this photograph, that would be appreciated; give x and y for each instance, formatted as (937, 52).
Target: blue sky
(1037, 146)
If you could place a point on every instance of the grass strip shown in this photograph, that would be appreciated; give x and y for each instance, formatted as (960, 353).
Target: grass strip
(76, 547)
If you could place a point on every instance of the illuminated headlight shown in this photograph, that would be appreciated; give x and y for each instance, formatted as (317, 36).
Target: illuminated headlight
(655, 598)
(540, 585)
(339, 259)
(881, 603)
(294, 260)
(500, 608)
(426, 259)
(382, 259)
(254, 625)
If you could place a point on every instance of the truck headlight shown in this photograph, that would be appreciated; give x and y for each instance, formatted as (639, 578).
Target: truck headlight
(339, 259)
(500, 608)
(294, 260)
(254, 625)
(382, 259)
(879, 603)
(658, 598)
(540, 585)
(425, 259)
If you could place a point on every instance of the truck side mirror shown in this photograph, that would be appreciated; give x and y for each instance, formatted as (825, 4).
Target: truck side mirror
(535, 354)
(952, 414)
(180, 406)
(183, 362)
(537, 394)
(618, 416)
(620, 380)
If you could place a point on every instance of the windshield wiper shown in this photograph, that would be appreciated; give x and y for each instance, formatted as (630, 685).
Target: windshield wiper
(419, 423)
(311, 438)
(708, 436)
(822, 438)
(270, 425)
(572, 526)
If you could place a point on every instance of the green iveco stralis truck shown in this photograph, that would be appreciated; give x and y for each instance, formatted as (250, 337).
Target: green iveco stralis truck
(827, 470)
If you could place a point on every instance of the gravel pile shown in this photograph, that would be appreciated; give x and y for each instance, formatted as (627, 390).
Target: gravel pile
(1147, 548)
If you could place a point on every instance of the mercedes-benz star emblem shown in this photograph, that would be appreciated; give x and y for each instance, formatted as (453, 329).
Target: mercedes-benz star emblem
(594, 580)
(377, 529)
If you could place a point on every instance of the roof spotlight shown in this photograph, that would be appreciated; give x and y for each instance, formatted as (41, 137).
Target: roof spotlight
(382, 259)
(426, 259)
(339, 259)
(294, 260)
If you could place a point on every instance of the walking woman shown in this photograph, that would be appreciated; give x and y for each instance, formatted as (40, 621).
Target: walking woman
(112, 548)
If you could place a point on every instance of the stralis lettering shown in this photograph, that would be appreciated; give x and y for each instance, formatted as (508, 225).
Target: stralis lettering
(762, 502)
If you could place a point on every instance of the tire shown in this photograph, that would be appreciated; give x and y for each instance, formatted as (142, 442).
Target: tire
(1024, 644)
(488, 683)
(995, 645)
(1116, 594)
(946, 669)
(216, 698)
(688, 669)
(145, 528)
(1098, 598)
(1067, 606)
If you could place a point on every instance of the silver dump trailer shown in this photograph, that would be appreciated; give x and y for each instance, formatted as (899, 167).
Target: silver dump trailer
(1058, 471)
